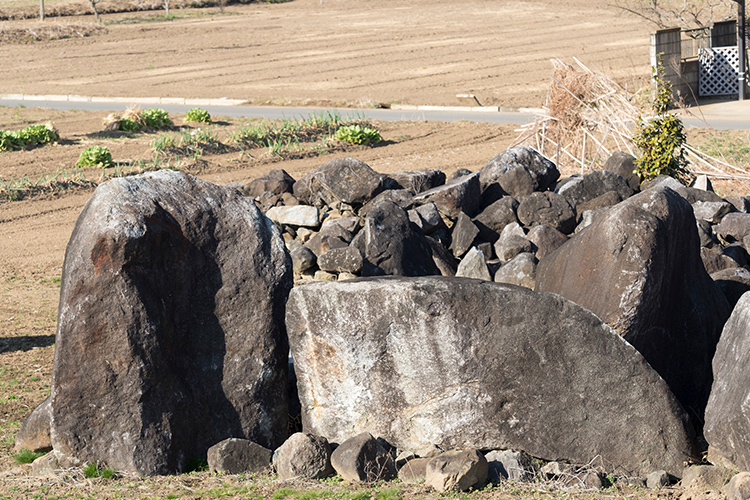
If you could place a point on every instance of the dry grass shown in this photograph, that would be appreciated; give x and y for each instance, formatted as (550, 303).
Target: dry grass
(586, 118)
(48, 31)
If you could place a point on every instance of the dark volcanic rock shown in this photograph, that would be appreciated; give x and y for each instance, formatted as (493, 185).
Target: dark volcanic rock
(391, 245)
(593, 185)
(733, 282)
(542, 171)
(341, 260)
(456, 362)
(546, 239)
(727, 427)
(234, 456)
(463, 234)
(418, 181)
(170, 331)
(459, 195)
(495, 217)
(547, 208)
(638, 268)
(275, 181)
(342, 180)
(623, 164)
(734, 227)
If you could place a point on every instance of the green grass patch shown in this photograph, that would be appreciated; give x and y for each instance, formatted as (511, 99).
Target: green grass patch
(26, 456)
(727, 146)
(94, 470)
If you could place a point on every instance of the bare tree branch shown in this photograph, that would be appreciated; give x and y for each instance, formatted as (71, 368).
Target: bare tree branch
(684, 14)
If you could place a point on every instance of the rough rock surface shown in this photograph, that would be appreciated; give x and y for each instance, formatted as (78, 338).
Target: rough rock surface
(276, 182)
(459, 195)
(520, 270)
(623, 164)
(547, 208)
(456, 470)
(362, 458)
(509, 464)
(299, 215)
(234, 456)
(543, 172)
(738, 487)
(414, 470)
(638, 268)
(392, 246)
(170, 327)
(474, 265)
(462, 363)
(727, 427)
(305, 456)
(495, 217)
(34, 431)
(346, 180)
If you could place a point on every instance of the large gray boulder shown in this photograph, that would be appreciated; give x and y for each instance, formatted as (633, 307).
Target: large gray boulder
(461, 363)
(638, 268)
(303, 456)
(727, 427)
(170, 330)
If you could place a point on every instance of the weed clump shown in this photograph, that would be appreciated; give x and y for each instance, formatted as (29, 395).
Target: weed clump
(93, 470)
(26, 456)
(95, 156)
(30, 136)
(136, 120)
(197, 115)
(357, 134)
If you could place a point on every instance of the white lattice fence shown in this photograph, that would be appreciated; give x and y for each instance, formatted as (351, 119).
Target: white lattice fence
(718, 70)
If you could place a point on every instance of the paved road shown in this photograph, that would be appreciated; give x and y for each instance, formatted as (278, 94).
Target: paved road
(721, 116)
(289, 112)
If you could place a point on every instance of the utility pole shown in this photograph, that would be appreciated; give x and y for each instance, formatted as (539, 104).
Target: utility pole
(41, 10)
(741, 45)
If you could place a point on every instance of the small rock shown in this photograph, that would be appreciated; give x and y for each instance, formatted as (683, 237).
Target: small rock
(456, 470)
(705, 477)
(34, 431)
(662, 181)
(300, 215)
(520, 270)
(362, 458)
(508, 464)
(474, 266)
(341, 260)
(234, 456)
(495, 217)
(460, 195)
(702, 182)
(711, 211)
(657, 479)
(46, 465)
(305, 456)
(324, 276)
(414, 470)
(276, 181)
(622, 164)
(303, 259)
(463, 235)
(546, 239)
(547, 208)
(507, 247)
(555, 470)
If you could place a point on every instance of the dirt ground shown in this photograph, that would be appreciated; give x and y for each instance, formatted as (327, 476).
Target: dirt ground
(340, 51)
(307, 51)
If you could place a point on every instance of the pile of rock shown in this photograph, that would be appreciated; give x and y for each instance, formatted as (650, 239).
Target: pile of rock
(176, 318)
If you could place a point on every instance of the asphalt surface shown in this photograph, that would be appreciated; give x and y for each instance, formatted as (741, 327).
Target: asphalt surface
(728, 115)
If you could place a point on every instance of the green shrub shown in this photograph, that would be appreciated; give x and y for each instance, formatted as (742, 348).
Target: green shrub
(129, 125)
(356, 134)
(95, 156)
(26, 456)
(661, 139)
(197, 115)
(27, 137)
(156, 118)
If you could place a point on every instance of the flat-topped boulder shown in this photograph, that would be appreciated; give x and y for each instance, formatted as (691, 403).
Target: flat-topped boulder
(462, 363)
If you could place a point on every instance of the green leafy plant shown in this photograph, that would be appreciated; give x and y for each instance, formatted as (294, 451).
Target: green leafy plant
(95, 156)
(28, 137)
(356, 134)
(93, 470)
(156, 118)
(197, 115)
(26, 456)
(661, 139)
